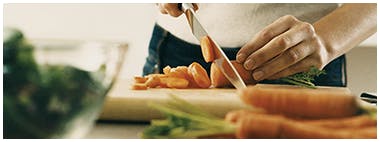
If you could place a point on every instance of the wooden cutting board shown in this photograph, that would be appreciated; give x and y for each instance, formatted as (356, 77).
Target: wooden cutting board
(131, 105)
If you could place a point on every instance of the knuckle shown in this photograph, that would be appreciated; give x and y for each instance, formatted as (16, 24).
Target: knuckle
(318, 62)
(267, 34)
(259, 57)
(290, 18)
(284, 41)
(308, 28)
(293, 55)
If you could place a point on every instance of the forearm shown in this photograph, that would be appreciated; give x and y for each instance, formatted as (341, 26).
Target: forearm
(346, 27)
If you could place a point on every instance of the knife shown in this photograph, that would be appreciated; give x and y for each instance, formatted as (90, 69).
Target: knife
(221, 59)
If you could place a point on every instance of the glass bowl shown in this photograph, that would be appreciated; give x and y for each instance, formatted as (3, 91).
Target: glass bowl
(63, 97)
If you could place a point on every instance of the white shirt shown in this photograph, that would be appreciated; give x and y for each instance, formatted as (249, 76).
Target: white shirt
(233, 25)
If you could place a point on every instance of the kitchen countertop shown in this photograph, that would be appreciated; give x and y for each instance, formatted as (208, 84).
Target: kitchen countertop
(116, 130)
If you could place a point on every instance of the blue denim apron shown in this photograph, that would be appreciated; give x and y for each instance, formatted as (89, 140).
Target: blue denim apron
(166, 49)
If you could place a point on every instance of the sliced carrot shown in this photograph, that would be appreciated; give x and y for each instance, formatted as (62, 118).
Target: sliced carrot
(217, 77)
(139, 86)
(153, 81)
(297, 101)
(182, 72)
(219, 80)
(155, 75)
(166, 70)
(179, 72)
(174, 82)
(207, 47)
(139, 79)
(192, 83)
(199, 75)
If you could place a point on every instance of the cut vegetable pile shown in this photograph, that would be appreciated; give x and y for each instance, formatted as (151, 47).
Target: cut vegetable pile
(194, 76)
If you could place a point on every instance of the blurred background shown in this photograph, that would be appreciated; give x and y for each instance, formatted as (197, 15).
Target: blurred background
(133, 24)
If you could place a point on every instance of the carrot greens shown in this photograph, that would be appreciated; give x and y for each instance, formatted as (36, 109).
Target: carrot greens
(184, 120)
(304, 79)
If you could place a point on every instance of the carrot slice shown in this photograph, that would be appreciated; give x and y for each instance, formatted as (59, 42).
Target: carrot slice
(179, 72)
(139, 86)
(175, 82)
(219, 80)
(207, 47)
(166, 70)
(153, 81)
(139, 79)
(199, 75)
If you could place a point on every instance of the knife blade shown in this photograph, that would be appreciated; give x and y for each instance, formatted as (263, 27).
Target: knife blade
(221, 59)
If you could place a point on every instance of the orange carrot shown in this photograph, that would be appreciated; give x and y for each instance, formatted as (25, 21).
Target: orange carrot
(153, 81)
(259, 126)
(294, 129)
(346, 122)
(333, 102)
(199, 75)
(166, 70)
(179, 72)
(174, 82)
(234, 116)
(262, 125)
(219, 80)
(207, 47)
(139, 79)
(139, 86)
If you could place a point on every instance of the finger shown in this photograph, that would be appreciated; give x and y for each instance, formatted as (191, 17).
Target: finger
(279, 44)
(283, 61)
(264, 36)
(172, 9)
(162, 9)
(195, 5)
(302, 66)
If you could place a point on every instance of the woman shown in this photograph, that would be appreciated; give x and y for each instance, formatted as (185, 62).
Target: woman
(272, 40)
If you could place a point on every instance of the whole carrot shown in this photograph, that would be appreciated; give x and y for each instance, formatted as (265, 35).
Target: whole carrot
(294, 129)
(336, 123)
(347, 122)
(261, 125)
(297, 101)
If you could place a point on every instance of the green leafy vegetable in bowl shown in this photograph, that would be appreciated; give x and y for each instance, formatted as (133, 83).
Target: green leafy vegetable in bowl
(47, 101)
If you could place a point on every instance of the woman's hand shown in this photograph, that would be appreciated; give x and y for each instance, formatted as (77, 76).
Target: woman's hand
(285, 47)
(172, 9)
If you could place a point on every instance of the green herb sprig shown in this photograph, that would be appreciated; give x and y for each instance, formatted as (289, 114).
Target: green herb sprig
(304, 79)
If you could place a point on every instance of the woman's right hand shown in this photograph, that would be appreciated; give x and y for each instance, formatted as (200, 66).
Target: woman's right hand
(172, 9)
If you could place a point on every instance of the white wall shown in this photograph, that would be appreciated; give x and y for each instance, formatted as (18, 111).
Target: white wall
(130, 23)
(133, 23)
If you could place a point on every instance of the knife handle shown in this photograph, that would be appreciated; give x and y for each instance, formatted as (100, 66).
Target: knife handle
(185, 6)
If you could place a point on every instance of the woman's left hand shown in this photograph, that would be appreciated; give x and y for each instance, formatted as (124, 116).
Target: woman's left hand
(285, 47)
